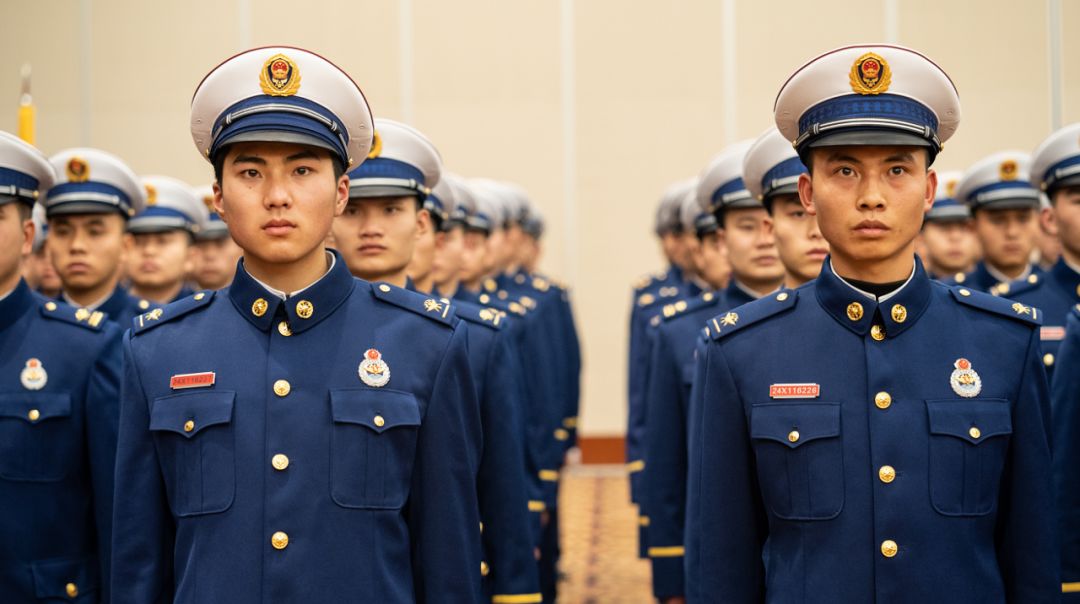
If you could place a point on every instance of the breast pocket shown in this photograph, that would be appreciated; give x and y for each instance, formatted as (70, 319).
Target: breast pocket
(372, 447)
(969, 440)
(800, 458)
(196, 443)
(39, 441)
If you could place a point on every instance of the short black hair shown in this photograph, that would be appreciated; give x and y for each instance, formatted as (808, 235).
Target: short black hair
(1067, 189)
(219, 164)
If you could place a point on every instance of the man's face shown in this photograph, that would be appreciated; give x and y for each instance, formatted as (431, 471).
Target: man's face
(40, 273)
(799, 242)
(215, 262)
(869, 201)
(423, 256)
(751, 247)
(671, 243)
(474, 256)
(496, 254)
(377, 235)
(279, 199)
(158, 260)
(16, 241)
(950, 246)
(86, 249)
(1064, 220)
(715, 267)
(1007, 236)
(449, 255)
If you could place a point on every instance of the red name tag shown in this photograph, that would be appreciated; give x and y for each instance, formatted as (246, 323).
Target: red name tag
(794, 391)
(192, 380)
(1051, 333)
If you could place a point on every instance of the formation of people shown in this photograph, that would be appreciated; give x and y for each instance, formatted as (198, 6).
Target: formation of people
(859, 378)
(334, 375)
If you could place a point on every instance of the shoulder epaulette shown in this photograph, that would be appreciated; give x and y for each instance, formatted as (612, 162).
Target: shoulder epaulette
(434, 309)
(92, 320)
(750, 313)
(1020, 286)
(685, 306)
(479, 315)
(994, 304)
(173, 310)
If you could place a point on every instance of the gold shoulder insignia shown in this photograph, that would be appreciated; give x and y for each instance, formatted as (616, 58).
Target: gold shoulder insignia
(646, 299)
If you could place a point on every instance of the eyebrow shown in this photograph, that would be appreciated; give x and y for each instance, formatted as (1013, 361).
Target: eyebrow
(249, 159)
(839, 157)
(901, 157)
(305, 154)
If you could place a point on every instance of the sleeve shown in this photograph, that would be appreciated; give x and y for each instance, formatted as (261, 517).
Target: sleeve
(725, 525)
(504, 509)
(102, 419)
(635, 436)
(573, 352)
(541, 379)
(1027, 546)
(143, 530)
(1065, 408)
(665, 472)
(444, 522)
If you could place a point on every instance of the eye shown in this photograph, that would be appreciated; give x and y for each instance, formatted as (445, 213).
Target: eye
(250, 173)
(303, 170)
(392, 209)
(897, 170)
(846, 171)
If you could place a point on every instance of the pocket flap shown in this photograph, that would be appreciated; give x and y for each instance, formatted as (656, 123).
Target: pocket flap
(794, 424)
(52, 578)
(970, 420)
(34, 407)
(379, 410)
(188, 414)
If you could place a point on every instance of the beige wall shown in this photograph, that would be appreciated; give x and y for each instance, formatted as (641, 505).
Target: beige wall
(487, 85)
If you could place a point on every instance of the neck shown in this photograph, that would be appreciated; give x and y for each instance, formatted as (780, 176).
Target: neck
(161, 294)
(1071, 258)
(758, 286)
(793, 280)
(292, 276)
(10, 282)
(1011, 273)
(472, 285)
(92, 295)
(398, 278)
(512, 268)
(424, 283)
(449, 287)
(897, 268)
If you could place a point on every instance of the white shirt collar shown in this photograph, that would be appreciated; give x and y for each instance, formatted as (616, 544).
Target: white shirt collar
(870, 295)
(749, 292)
(93, 306)
(286, 296)
(1001, 276)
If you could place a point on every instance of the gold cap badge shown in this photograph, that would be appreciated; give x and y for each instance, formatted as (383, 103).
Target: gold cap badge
(279, 76)
(78, 170)
(376, 146)
(870, 74)
(1008, 170)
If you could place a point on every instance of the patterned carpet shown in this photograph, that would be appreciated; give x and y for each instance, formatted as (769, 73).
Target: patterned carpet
(599, 536)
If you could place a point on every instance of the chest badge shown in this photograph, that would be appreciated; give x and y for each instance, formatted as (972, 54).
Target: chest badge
(964, 380)
(373, 369)
(34, 376)
(183, 381)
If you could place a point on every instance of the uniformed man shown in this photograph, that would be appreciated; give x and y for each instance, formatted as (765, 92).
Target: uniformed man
(88, 209)
(449, 258)
(1058, 290)
(300, 435)
(216, 253)
(1004, 208)
(771, 173)
(38, 270)
(58, 408)
(896, 448)
(1065, 402)
(163, 240)
(948, 242)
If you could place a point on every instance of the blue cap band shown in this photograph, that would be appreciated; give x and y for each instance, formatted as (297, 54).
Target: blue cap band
(780, 175)
(161, 218)
(88, 192)
(1009, 190)
(731, 191)
(886, 112)
(386, 168)
(18, 184)
(292, 115)
(1070, 166)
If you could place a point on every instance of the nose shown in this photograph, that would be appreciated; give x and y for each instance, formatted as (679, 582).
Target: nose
(871, 196)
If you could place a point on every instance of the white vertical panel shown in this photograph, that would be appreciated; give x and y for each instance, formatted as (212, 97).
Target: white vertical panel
(1057, 71)
(569, 135)
(892, 21)
(86, 75)
(729, 76)
(243, 25)
(405, 46)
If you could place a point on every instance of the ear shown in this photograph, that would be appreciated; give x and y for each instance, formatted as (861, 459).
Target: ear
(219, 205)
(342, 198)
(29, 228)
(1048, 221)
(423, 223)
(806, 194)
(931, 190)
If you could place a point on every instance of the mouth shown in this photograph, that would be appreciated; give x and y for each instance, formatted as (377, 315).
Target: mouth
(278, 227)
(148, 267)
(767, 260)
(871, 228)
(818, 253)
(78, 268)
(371, 249)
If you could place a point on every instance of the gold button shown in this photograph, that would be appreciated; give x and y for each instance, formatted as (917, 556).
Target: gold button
(965, 292)
(144, 304)
(899, 313)
(1033, 279)
(280, 461)
(72, 590)
(883, 400)
(199, 296)
(484, 569)
(279, 540)
(258, 307)
(34, 415)
(877, 332)
(561, 434)
(1048, 359)
(282, 387)
(50, 306)
(854, 311)
(304, 309)
(782, 296)
(960, 277)
(974, 433)
(189, 425)
(484, 298)
(1003, 288)
(793, 436)
(887, 474)
(384, 288)
(379, 421)
(283, 329)
(1078, 292)
(889, 548)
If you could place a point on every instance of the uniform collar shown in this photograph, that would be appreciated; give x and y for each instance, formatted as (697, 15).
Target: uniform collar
(117, 294)
(1067, 275)
(736, 294)
(264, 306)
(1000, 276)
(859, 311)
(15, 304)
